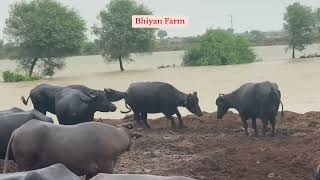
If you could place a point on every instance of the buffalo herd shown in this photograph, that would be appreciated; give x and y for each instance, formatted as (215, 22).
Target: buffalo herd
(79, 146)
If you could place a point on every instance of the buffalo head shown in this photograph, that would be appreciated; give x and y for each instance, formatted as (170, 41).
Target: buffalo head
(192, 104)
(100, 101)
(223, 106)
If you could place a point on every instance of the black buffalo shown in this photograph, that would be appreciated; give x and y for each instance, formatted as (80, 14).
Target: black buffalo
(54, 172)
(253, 100)
(73, 107)
(12, 110)
(86, 149)
(43, 96)
(159, 97)
(12, 121)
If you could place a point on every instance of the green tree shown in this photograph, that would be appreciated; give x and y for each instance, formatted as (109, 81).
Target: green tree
(218, 47)
(44, 31)
(90, 48)
(1, 43)
(317, 16)
(299, 24)
(117, 37)
(256, 35)
(162, 34)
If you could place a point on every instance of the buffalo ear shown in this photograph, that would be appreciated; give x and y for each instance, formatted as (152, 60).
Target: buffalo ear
(85, 99)
(92, 95)
(128, 125)
(195, 93)
(107, 90)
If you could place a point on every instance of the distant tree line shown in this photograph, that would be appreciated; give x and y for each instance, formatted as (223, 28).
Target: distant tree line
(40, 34)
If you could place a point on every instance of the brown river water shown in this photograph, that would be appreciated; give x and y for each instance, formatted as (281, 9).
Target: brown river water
(298, 80)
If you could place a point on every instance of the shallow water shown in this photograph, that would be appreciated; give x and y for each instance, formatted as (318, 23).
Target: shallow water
(298, 81)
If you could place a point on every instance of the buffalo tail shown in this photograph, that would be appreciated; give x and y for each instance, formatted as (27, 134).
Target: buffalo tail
(8, 154)
(129, 109)
(25, 102)
(282, 113)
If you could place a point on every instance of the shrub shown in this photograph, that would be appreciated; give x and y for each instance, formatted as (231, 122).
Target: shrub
(218, 47)
(16, 76)
(310, 55)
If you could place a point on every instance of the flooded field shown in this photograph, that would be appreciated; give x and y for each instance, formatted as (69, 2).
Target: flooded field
(298, 81)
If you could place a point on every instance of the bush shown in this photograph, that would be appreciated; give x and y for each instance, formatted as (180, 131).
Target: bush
(310, 55)
(218, 47)
(15, 76)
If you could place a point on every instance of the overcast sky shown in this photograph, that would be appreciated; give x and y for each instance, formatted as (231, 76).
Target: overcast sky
(247, 14)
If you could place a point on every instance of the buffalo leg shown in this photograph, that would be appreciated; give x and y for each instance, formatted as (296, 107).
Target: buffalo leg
(264, 127)
(173, 124)
(181, 125)
(137, 118)
(254, 126)
(144, 117)
(245, 125)
(273, 124)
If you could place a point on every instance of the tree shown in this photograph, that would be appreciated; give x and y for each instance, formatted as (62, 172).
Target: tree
(162, 34)
(44, 31)
(317, 16)
(230, 30)
(219, 47)
(117, 37)
(90, 48)
(299, 24)
(1, 44)
(256, 35)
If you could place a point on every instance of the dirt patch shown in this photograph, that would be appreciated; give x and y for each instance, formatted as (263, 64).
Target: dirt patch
(211, 149)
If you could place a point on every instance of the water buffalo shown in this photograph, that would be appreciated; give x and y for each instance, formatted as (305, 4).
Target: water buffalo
(12, 110)
(253, 100)
(73, 107)
(43, 96)
(137, 177)
(12, 121)
(159, 97)
(86, 149)
(54, 172)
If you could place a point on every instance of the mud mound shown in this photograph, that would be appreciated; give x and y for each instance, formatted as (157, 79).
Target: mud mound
(211, 149)
(218, 149)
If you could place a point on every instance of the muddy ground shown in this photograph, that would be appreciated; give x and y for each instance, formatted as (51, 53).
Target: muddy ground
(211, 149)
